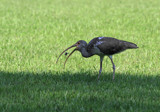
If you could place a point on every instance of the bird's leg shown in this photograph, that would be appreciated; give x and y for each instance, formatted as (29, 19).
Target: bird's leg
(101, 60)
(114, 67)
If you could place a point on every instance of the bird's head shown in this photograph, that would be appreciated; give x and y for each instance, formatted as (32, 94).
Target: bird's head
(79, 45)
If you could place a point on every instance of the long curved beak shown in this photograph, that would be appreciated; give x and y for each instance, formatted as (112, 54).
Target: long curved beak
(69, 56)
(66, 50)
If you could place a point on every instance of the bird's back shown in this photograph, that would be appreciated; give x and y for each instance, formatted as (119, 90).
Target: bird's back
(109, 45)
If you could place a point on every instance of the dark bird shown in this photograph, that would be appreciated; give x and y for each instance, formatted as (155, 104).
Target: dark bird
(101, 46)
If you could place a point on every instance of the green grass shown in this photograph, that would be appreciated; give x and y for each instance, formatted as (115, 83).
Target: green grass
(34, 33)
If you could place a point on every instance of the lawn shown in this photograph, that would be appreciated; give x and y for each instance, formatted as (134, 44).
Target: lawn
(34, 33)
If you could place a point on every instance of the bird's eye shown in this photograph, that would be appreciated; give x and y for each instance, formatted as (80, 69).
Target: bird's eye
(78, 43)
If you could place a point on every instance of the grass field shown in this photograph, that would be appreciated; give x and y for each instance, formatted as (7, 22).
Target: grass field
(34, 33)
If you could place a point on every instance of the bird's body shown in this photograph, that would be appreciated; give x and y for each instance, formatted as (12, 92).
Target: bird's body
(108, 46)
(102, 46)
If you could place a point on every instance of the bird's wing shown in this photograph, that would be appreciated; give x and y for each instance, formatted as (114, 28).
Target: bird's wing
(109, 45)
(106, 45)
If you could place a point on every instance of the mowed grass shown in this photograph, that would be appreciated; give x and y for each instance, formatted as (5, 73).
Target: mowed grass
(34, 33)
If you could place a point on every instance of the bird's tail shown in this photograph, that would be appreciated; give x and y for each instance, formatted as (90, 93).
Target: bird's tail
(131, 45)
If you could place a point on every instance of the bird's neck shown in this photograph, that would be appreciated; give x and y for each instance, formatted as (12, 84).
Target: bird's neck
(85, 53)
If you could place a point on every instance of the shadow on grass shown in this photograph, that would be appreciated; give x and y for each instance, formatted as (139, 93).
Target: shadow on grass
(66, 91)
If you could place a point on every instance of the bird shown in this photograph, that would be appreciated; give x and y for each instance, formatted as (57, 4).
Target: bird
(101, 46)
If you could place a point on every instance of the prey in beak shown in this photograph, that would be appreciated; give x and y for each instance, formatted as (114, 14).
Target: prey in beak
(66, 53)
(75, 45)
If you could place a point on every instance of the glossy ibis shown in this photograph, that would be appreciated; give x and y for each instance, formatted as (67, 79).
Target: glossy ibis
(101, 46)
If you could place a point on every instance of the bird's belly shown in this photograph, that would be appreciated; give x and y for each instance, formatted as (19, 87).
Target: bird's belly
(96, 51)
